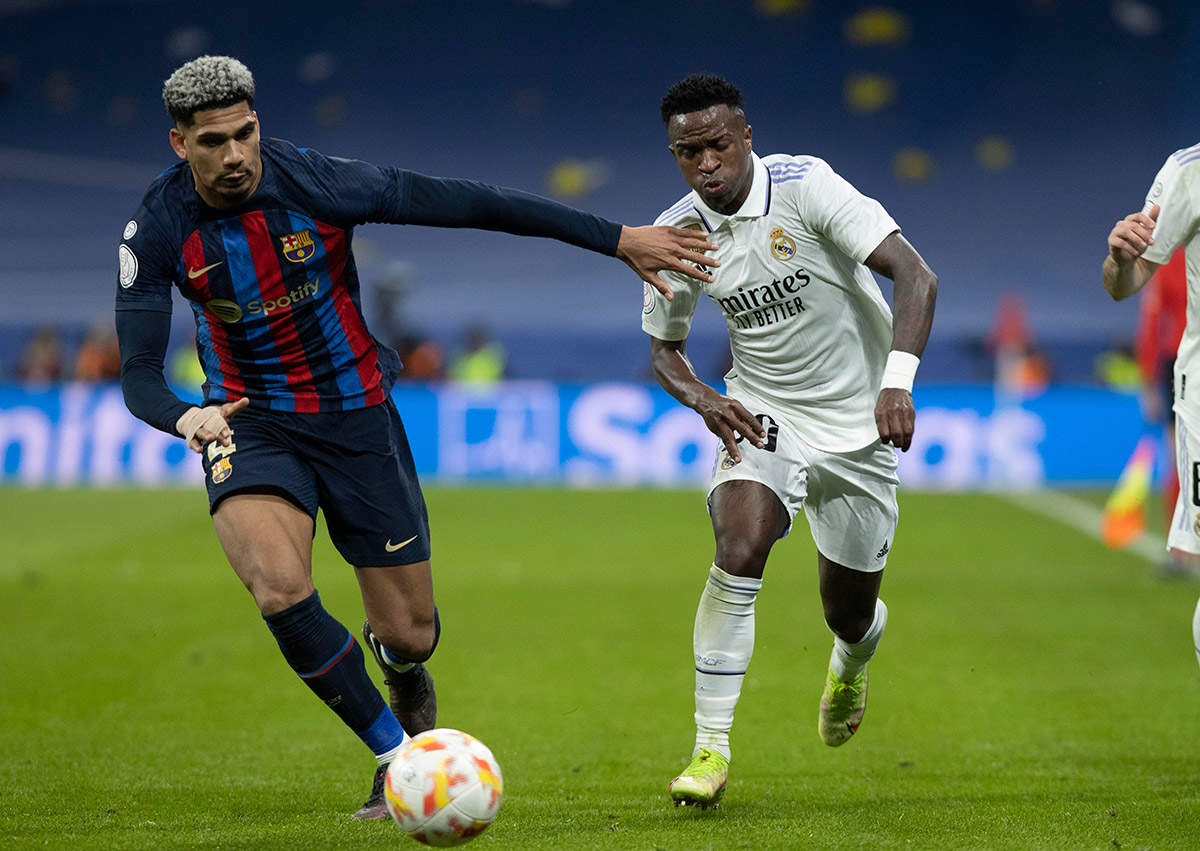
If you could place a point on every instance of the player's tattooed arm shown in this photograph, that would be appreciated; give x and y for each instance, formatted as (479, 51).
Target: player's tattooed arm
(725, 417)
(651, 249)
(1125, 271)
(914, 297)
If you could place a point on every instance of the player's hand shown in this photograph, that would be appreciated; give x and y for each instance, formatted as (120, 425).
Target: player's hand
(729, 420)
(651, 249)
(895, 417)
(1132, 235)
(201, 426)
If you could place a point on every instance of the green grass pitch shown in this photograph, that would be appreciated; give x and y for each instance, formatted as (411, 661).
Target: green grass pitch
(1034, 690)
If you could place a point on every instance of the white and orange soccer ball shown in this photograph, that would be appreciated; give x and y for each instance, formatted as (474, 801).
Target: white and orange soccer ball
(444, 788)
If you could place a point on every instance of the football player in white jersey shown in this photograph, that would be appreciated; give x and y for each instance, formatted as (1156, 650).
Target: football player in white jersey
(817, 401)
(1137, 246)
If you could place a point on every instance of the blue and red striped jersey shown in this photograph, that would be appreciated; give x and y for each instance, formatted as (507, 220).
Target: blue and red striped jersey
(272, 284)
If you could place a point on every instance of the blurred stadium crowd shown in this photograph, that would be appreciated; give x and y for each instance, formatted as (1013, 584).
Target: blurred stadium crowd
(1005, 138)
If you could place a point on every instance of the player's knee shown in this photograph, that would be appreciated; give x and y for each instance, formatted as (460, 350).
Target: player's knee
(848, 625)
(412, 638)
(742, 556)
(272, 597)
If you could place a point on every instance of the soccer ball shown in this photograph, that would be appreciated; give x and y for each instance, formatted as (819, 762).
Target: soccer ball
(444, 788)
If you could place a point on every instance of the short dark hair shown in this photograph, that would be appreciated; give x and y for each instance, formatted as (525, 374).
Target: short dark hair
(208, 82)
(700, 91)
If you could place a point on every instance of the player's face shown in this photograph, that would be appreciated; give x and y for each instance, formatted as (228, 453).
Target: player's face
(221, 147)
(712, 148)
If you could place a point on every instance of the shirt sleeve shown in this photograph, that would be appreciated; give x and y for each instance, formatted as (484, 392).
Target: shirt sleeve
(356, 192)
(143, 307)
(1176, 219)
(831, 206)
(143, 335)
(670, 320)
(452, 203)
(343, 191)
(147, 265)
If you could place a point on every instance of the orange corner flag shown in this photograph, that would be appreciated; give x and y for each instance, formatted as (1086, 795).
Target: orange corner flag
(1124, 517)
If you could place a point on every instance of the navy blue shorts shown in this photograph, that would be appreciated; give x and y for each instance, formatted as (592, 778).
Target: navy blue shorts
(355, 466)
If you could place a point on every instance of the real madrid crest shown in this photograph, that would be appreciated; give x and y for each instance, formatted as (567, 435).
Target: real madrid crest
(298, 246)
(782, 245)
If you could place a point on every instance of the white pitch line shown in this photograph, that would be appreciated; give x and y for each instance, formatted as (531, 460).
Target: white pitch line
(1084, 517)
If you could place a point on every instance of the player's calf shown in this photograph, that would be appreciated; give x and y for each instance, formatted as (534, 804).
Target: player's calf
(331, 663)
(411, 694)
(844, 699)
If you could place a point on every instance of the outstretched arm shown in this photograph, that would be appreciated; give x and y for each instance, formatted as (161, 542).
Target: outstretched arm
(727, 418)
(1125, 271)
(913, 298)
(450, 202)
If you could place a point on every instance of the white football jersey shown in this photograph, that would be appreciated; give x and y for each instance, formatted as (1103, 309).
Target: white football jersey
(1177, 190)
(808, 326)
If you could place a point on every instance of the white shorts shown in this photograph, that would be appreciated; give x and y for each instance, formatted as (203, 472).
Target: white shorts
(849, 498)
(1185, 524)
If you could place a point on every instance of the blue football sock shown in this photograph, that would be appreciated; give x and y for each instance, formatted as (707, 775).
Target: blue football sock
(330, 661)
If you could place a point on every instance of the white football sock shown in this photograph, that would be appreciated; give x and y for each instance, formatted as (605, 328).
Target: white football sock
(388, 756)
(723, 642)
(848, 659)
(395, 662)
(1196, 631)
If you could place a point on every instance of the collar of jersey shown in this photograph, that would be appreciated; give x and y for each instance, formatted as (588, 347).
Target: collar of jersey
(757, 203)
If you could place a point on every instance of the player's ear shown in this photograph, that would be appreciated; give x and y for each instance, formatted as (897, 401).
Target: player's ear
(178, 143)
(749, 136)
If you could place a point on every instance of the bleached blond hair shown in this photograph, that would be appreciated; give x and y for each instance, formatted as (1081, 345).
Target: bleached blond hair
(207, 82)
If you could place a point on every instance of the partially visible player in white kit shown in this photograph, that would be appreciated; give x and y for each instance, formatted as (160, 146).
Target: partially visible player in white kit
(1137, 246)
(820, 386)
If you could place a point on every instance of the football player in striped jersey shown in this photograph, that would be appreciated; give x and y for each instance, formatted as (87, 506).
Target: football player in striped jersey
(256, 235)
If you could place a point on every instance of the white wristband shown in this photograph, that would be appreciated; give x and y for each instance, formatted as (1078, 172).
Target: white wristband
(900, 370)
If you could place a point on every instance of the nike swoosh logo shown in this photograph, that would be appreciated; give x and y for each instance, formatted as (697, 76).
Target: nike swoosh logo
(196, 273)
(391, 548)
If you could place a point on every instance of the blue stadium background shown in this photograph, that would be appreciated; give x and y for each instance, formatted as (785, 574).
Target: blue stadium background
(1005, 137)
(1085, 99)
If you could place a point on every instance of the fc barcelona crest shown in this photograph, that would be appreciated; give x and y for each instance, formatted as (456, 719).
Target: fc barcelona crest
(222, 470)
(298, 246)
